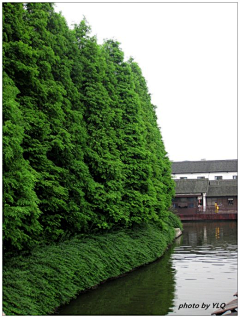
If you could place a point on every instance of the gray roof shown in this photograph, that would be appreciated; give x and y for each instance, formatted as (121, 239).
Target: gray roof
(207, 166)
(215, 188)
(220, 188)
(191, 186)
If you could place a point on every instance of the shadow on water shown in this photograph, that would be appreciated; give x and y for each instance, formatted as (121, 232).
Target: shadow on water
(149, 290)
(200, 267)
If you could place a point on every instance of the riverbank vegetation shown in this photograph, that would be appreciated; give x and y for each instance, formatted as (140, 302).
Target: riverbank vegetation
(40, 282)
(82, 151)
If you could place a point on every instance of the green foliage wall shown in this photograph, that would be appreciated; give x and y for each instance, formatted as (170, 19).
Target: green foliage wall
(81, 147)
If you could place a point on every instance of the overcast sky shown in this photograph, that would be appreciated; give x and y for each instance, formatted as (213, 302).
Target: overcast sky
(188, 56)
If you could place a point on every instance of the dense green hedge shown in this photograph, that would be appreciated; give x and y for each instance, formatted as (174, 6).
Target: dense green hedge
(83, 156)
(174, 220)
(82, 150)
(38, 283)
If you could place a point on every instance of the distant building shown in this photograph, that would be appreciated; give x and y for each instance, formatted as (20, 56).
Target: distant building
(205, 169)
(201, 184)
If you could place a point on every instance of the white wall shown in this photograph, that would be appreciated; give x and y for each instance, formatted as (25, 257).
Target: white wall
(210, 176)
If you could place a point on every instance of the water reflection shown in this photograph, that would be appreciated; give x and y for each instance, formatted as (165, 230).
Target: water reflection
(206, 267)
(200, 268)
(217, 232)
(148, 290)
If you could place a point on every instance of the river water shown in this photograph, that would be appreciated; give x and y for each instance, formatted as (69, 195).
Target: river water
(195, 276)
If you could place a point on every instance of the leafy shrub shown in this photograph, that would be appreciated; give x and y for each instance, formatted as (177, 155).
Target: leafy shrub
(173, 220)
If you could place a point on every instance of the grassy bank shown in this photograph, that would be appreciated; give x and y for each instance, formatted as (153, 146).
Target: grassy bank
(51, 276)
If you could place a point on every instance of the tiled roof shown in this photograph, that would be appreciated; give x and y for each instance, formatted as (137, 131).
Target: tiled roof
(207, 166)
(221, 188)
(187, 186)
(216, 188)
